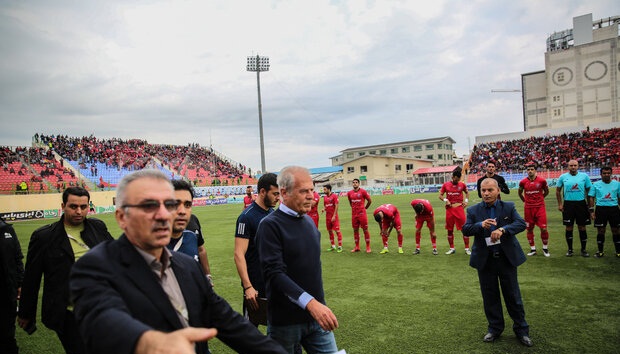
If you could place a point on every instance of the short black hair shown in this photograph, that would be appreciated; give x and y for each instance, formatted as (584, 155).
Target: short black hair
(418, 207)
(79, 191)
(266, 181)
(356, 179)
(182, 185)
(606, 168)
(328, 186)
(378, 216)
(456, 173)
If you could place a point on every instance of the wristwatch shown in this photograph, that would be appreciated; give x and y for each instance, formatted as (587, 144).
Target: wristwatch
(502, 230)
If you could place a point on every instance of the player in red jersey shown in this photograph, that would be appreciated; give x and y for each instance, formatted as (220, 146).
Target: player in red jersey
(424, 213)
(249, 197)
(388, 217)
(455, 208)
(532, 191)
(314, 209)
(356, 197)
(332, 222)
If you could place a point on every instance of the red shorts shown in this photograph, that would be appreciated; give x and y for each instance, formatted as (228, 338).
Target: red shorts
(455, 216)
(397, 223)
(315, 218)
(359, 220)
(419, 221)
(535, 216)
(335, 225)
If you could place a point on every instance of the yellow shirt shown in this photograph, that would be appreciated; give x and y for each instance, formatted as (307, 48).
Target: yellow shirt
(75, 239)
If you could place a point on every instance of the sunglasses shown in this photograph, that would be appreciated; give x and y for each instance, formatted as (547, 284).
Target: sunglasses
(151, 206)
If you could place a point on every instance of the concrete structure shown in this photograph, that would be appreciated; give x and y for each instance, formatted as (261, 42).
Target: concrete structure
(393, 163)
(579, 86)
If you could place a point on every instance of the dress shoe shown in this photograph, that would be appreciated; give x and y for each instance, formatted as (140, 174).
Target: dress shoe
(490, 337)
(525, 340)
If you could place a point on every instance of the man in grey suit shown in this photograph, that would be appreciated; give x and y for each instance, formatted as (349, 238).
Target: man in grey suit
(133, 295)
(496, 254)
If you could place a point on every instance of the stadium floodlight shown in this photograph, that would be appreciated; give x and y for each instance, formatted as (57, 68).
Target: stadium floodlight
(258, 64)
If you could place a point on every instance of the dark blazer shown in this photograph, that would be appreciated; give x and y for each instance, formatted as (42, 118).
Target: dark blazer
(12, 265)
(508, 218)
(118, 297)
(50, 255)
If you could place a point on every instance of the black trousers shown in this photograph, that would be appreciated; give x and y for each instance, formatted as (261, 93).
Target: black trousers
(499, 273)
(70, 335)
(8, 313)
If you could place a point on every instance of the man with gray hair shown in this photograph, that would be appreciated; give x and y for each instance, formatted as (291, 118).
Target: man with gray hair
(289, 249)
(132, 295)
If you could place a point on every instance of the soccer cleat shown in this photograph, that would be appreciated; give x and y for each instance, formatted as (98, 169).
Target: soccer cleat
(356, 249)
(383, 251)
(532, 253)
(400, 250)
(569, 253)
(599, 254)
(368, 249)
(417, 251)
(546, 252)
(339, 249)
(435, 252)
(584, 253)
(467, 252)
(618, 255)
(451, 251)
(332, 248)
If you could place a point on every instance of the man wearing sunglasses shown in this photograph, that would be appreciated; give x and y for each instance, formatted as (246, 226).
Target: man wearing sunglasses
(133, 295)
(52, 251)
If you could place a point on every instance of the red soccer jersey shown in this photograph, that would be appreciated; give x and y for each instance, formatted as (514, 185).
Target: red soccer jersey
(247, 200)
(390, 213)
(314, 210)
(330, 202)
(533, 191)
(454, 192)
(357, 200)
(428, 208)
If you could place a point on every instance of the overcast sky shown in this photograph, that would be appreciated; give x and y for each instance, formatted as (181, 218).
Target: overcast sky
(343, 73)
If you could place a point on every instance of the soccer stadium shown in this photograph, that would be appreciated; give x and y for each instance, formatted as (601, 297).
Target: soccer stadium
(386, 302)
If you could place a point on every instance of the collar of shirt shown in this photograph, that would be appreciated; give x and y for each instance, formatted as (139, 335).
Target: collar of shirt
(289, 211)
(158, 266)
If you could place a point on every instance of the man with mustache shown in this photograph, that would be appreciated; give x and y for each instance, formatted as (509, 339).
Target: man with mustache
(133, 295)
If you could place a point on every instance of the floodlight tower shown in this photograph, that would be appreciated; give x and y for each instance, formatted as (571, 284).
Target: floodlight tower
(259, 64)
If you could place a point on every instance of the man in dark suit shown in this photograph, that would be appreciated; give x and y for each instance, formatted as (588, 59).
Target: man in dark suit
(52, 251)
(496, 254)
(11, 275)
(133, 295)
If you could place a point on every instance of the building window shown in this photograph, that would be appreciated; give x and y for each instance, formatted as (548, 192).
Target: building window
(409, 166)
(363, 169)
(350, 169)
(372, 152)
(430, 147)
(393, 151)
(560, 77)
(556, 98)
(361, 153)
(405, 149)
(430, 157)
(557, 112)
(440, 157)
(397, 168)
(382, 152)
(349, 155)
(417, 148)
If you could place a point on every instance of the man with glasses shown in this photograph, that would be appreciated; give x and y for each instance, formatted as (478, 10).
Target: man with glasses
(133, 295)
(532, 191)
(52, 251)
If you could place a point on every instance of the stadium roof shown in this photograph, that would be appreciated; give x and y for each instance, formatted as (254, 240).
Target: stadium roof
(442, 169)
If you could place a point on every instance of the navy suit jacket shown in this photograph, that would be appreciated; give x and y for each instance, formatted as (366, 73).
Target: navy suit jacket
(118, 297)
(508, 218)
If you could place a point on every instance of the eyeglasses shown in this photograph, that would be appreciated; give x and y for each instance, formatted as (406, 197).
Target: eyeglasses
(76, 206)
(151, 206)
(186, 203)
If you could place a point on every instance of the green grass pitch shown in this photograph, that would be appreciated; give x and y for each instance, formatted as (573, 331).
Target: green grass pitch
(405, 303)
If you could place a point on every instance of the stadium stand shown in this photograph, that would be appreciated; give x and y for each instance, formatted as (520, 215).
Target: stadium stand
(592, 149)
(56, 161)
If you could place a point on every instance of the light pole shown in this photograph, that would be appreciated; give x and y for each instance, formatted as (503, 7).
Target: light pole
(259, 64)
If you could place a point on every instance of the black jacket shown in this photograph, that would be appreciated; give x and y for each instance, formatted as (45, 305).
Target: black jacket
(50, 255)
(12, 267)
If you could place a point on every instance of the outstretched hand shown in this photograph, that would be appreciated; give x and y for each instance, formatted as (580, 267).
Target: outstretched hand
(177, 342)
